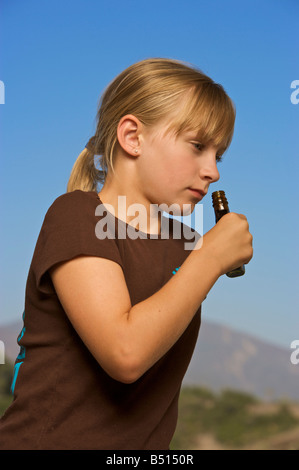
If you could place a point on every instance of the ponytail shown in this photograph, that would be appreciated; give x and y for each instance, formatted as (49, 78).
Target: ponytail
(84, 175)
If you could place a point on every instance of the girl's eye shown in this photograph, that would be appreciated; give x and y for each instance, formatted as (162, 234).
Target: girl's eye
(198, 146)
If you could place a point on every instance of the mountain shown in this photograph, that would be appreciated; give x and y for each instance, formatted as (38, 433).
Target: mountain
(223, 358)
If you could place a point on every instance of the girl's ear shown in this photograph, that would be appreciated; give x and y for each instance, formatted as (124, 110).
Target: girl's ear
(128, 134)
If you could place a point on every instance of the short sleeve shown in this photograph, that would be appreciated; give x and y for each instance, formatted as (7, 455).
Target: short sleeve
(68, 231)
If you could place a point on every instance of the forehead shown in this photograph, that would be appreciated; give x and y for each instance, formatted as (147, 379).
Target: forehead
(164, 133)
(205, 116)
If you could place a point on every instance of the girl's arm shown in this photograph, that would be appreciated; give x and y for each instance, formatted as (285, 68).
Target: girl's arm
(126, 341)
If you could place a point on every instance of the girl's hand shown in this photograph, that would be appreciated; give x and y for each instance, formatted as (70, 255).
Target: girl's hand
(229, 242)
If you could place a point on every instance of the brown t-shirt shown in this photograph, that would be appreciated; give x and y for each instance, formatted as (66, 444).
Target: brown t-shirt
(63, 399)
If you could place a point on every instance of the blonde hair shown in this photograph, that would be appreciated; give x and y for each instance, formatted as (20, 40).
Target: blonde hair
(152, 90)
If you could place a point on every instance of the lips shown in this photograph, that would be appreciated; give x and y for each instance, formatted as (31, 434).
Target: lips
(199, 193)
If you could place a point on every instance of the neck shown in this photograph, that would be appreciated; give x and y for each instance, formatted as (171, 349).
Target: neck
(130, 205)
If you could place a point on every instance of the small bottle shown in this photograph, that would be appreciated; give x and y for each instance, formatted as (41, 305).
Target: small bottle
(220, 205)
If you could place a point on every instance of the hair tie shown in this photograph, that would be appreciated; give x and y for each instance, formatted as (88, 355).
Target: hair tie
(91, 145)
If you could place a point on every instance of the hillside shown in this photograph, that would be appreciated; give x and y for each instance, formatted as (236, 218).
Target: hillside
(232, 420)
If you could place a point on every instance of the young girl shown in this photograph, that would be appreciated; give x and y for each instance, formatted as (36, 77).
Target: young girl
(113, 303)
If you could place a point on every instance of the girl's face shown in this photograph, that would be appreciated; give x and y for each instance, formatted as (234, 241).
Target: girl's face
(175, 169)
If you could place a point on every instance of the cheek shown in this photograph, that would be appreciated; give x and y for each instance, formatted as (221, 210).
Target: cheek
(180, 170)
(167, 165)
(157, 164)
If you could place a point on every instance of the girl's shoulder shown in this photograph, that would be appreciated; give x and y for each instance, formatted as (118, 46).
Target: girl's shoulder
(73, 205)
(73, 198)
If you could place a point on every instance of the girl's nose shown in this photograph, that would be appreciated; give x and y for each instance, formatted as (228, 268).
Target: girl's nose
(209, 170)
(215, 175)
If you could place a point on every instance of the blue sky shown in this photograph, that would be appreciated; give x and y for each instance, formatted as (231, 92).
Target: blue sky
(57, 57)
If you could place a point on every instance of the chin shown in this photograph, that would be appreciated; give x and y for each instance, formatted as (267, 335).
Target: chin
(178, 209)
(188, 208)
(177, 206)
